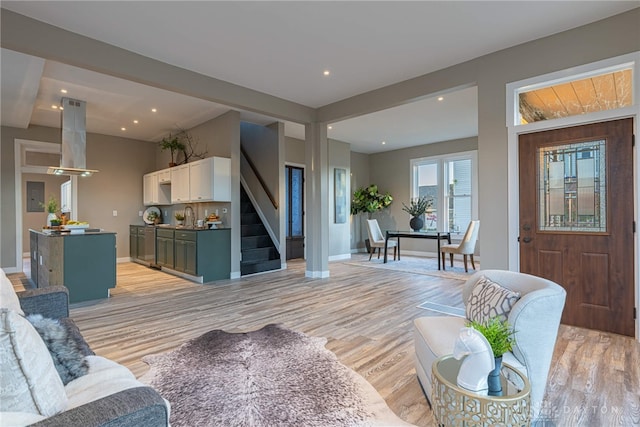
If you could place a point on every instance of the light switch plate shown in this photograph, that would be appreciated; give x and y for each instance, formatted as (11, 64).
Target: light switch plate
(115, 213)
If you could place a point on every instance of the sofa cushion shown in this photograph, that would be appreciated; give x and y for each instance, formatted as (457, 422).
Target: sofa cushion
(30, 382)
(8, 297)
(488, 300)
(105, 377)
(66, 352)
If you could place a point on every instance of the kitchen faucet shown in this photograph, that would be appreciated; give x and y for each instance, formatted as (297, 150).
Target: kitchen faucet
(188, 216)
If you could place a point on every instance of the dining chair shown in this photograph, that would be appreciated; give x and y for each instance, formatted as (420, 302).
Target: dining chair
(376, 239)
(466, 246)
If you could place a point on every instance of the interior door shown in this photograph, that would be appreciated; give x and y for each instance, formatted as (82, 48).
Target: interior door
(576, 219)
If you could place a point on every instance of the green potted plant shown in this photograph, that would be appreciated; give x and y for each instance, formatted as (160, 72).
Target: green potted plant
(367, 199)
(417, 208)
(173, 144)
(179, 216)
(499, 334)
(51, 207)
(153, 216)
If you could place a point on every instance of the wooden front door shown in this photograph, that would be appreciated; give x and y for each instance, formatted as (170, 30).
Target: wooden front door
(576, 220)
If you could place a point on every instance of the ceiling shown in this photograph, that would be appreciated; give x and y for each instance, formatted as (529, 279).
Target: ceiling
(282, 49)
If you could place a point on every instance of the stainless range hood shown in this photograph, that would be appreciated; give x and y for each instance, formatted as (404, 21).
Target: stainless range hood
(73, 160)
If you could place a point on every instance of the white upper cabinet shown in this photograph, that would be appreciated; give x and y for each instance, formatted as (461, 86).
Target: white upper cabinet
(153, 192)
(164, 176)
(206, 180)
(210, 180)
(180, 184)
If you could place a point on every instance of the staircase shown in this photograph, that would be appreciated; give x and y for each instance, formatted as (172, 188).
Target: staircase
(258, 251)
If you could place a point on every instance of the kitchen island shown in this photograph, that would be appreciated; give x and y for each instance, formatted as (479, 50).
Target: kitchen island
(84, 262)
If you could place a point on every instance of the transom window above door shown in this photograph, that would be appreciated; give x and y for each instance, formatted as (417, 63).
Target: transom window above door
(603, 90)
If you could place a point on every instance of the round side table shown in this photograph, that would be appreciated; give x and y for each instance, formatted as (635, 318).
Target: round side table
(455, 406)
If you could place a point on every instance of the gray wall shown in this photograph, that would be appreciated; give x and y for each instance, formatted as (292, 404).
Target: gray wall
(359, 178)
(339, 241)
(294, 150)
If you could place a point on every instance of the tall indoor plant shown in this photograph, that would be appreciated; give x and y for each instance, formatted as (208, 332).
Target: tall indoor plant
(368, 200)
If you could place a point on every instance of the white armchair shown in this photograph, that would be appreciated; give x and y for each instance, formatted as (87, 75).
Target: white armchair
(535, 318)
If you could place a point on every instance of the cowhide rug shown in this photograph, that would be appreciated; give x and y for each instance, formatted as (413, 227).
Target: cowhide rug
(270, 377)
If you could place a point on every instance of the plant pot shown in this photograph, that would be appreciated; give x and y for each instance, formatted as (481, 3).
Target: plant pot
(416, 223)
(493, 380)
(51, 217)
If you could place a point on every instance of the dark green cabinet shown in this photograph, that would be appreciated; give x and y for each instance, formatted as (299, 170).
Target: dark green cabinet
(199, 253)
(165, 248)
(185, 252)
(137, 241)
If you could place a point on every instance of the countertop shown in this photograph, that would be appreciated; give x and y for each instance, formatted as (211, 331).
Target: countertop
(58, 233)
(179, 227)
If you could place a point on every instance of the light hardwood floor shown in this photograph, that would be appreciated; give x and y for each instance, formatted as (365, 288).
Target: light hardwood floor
(366, 314)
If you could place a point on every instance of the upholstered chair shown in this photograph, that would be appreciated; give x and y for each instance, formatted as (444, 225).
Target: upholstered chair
(376, 239)
(535, 318)
(466, 246)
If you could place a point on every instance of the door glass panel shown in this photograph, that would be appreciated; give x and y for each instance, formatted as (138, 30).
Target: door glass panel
(572, 187)
(294, 187)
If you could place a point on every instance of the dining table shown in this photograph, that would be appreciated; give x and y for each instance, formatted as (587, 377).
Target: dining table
(433, 235)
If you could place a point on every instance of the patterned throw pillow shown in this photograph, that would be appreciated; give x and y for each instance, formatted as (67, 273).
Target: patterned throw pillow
(488, 299)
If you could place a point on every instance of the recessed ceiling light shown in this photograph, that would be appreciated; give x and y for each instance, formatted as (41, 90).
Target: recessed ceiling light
(123, 129)
(135, 121)
(55, 107)
(440, 98)
(330, 127)
(384, 142)
(326, 72)
(153, 110)
(63, 90)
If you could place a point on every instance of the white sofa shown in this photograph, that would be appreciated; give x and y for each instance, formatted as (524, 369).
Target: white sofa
(535, 317)
(32, 391)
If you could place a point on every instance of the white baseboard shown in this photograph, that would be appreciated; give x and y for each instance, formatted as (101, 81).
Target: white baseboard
(339, 257)
(235, 275)
(316, 274)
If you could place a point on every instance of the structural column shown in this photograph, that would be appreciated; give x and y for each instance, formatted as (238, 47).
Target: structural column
(317, 194)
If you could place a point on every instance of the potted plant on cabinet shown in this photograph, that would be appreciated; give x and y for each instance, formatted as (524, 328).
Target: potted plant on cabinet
(369, 200)
(417, 208)
(173, 144)
(499, 334)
